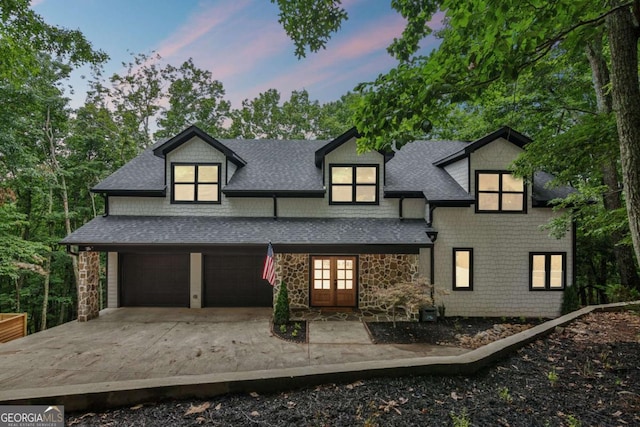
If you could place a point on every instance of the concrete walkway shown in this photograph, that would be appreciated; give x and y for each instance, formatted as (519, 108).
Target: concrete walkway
(152, 343)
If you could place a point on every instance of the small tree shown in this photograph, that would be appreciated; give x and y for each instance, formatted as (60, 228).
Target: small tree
(281, 312)
(410, 295)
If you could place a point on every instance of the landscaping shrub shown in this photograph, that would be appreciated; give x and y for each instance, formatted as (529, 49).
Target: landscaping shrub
(281, 312)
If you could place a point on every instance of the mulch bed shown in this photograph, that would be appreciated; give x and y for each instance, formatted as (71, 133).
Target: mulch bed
(445, 331)
(584, 374)
(291, 331)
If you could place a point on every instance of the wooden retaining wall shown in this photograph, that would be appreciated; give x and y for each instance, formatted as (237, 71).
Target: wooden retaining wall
(12, 326)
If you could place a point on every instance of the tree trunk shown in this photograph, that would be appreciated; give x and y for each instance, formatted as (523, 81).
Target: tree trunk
(47, 268)
(612, 199)
(623, 41)
(57, 170)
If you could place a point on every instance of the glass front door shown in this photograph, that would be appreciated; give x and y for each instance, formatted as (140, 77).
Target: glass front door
(333, 281)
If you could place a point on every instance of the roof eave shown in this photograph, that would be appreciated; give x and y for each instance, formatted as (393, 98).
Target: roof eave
(275, 193)
(131, 193)
(189, 133)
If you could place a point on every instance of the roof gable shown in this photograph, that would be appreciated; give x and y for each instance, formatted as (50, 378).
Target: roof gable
(188, 134)
(345, 137)
(504, 132)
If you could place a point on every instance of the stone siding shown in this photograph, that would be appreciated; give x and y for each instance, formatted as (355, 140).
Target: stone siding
(293, 270)
(89, 275)
(375, 271)
(380, 271)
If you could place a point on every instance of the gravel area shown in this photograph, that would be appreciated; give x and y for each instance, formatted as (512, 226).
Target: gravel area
(586, 374)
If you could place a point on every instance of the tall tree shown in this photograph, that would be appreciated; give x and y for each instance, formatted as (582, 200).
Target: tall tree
(195, 98)
(483, 43)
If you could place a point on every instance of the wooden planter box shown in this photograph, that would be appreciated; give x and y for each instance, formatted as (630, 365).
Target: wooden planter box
(12, 326)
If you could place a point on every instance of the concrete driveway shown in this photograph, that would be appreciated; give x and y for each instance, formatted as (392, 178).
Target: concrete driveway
(144, 343)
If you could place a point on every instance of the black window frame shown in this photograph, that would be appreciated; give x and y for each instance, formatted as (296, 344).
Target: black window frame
(499, 192)
(454, 276)
(196, 183)
(354, 167)
(547, 271)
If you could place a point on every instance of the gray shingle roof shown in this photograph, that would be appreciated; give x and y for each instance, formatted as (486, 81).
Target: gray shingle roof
(412, 169)
(542, 194)
(289, 166)
(173, 230)
(143, 173)
(275, 165)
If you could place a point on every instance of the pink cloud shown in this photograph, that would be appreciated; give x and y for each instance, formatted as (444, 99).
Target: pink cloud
(327, 64)
(201, 23)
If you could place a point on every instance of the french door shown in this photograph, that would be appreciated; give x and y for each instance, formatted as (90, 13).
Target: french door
(333, 281)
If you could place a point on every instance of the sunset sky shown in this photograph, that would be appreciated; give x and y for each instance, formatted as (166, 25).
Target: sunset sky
(239, 41)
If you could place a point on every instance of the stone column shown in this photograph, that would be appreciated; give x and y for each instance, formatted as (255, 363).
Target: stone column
(89, 274)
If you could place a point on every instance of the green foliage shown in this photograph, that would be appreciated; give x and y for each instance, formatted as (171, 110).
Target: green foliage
(281, 310)
(17, 254)
(310, 23)
(505, 395)
(195, 98)
(570, 299)
(408, 295)
(618, 293)
(460, 420)
(553, 377)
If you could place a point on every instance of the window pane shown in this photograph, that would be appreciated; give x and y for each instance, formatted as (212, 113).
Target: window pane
(512, 202)
(488, 201)
(556, 271)
(184, 173)
(349, 274)
(510, 183)
(208, 173)
(341, 193)
(365, 193)
(341, 175)
(349, 284)
(488, 182)
(463, 269)
(326, 284)
(365, 175)
(184, 192)
(208, 192)
(317, 284)
(341, 284)
(538, 272)
(326, 263)
(341, 263)
(317, 263)
(350, 264)
(341, 274)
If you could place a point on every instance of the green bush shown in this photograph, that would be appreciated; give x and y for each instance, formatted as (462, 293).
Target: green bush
(570, 299)
(619, 293)
(281, 312)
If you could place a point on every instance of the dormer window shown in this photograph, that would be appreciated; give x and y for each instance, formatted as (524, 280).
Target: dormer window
(195, 183)
(353, 184)
(499, 192)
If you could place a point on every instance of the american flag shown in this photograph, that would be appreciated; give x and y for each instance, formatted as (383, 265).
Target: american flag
(269, 270)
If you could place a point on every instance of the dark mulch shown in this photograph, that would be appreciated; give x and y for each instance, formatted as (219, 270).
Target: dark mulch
(291, 331)
(585, 374)
(443, 331)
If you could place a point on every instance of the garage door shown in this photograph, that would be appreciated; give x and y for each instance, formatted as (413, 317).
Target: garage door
(235, 280)
(154, 280)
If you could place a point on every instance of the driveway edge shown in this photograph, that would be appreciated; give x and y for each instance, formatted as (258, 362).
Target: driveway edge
(105, 395)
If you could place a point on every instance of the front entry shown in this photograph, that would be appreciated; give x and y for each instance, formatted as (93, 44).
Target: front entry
(333, 281)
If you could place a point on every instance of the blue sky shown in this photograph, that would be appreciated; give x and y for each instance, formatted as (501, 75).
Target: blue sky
(239, 41)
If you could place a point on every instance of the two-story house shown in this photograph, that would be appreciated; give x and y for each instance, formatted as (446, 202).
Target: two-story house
(187, 224)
